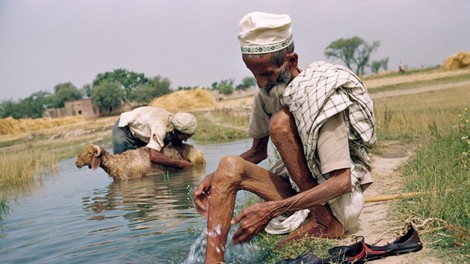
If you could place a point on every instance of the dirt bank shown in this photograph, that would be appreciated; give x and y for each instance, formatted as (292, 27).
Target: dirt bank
(375, 223)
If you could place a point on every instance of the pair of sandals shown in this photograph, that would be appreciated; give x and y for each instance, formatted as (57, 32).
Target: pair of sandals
(361, 252)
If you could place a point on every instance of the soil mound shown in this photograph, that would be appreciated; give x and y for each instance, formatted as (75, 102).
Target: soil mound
(457, 61)
(185, 100)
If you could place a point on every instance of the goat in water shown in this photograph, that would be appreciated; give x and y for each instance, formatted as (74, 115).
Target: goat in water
(134, 163)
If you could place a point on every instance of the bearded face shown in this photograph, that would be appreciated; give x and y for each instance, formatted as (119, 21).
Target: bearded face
(275, 89)
(272, 76)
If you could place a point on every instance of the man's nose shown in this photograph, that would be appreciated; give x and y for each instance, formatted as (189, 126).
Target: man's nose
(261, 83)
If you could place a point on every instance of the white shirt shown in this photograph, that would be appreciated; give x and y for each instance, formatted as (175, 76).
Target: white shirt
(150, 124)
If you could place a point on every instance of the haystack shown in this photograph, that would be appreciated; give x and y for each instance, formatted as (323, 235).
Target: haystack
(185, 100)
(10, 125)
(457, 61)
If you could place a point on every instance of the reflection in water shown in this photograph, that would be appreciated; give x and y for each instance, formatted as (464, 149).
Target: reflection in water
(82, 216)
(146, 199)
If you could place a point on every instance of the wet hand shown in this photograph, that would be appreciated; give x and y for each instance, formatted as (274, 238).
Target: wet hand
(185, 164)
(253, 220)
(201, 195)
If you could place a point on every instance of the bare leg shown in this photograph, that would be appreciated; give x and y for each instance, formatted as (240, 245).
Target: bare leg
(233, 174)
(285, 137)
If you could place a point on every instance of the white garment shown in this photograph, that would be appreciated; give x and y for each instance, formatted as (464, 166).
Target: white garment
(347, 208)
(150, 124)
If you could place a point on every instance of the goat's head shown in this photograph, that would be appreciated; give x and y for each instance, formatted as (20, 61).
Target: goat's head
(90, 155)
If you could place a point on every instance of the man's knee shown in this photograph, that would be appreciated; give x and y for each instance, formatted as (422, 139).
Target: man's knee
(282, 124)
(230, 169)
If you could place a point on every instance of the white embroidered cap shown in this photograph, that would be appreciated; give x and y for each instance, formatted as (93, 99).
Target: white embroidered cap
(264, 33)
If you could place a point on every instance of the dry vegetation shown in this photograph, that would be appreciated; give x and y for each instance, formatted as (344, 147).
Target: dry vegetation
(185, 100)
(27, 146)
(10, 126)
(457, 61)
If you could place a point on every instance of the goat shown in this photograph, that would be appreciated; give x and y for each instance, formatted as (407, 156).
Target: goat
(134, 163)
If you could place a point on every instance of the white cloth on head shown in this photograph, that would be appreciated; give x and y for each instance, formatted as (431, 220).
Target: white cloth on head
(185, 123)
(264, 33)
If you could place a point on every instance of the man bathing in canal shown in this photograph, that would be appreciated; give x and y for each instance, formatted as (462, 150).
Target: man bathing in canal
(321, 122)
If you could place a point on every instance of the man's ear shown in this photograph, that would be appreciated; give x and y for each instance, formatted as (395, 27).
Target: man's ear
(293, 59)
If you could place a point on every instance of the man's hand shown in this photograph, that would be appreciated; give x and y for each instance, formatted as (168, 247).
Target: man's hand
(201, 195)
(162, 159)
(185, 164)
(253, 220)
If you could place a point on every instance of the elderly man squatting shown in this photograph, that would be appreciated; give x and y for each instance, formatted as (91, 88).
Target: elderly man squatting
(155, 128)
(320, 119)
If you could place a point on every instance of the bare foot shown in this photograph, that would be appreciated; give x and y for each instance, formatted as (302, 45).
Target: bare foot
(334, 229)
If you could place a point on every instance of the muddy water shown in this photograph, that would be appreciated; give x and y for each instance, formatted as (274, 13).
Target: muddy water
(82, 216)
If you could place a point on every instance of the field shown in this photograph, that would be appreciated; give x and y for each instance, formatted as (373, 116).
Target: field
(412, 110)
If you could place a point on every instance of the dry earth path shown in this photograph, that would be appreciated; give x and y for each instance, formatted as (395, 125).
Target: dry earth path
(375, 224)
(424, 89)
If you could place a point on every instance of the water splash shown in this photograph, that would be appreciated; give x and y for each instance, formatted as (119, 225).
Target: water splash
(242, 253)
(197, 250)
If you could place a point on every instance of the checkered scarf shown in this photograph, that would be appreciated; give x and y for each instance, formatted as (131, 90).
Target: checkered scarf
(321, 91)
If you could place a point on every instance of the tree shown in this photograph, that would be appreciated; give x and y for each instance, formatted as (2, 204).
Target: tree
(9, 108)
(247, 82)
(107, 95)
(128, 80)
(156, 87)
(376, 65)
(64, 92)
(86, 90)
(34, 106)
(224, 87)
(354, 52)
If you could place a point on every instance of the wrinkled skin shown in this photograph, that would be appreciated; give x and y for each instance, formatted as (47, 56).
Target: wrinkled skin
(215, 196)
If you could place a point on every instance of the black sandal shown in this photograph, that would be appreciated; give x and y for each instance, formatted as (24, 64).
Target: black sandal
(407, 243)
(361, 252)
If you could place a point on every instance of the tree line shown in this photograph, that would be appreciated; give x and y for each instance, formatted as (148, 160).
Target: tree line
(113, 88)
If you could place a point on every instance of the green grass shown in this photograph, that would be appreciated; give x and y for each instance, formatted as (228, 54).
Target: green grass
(414, 117)
(442, 169)
(221, 125)
(269, 254)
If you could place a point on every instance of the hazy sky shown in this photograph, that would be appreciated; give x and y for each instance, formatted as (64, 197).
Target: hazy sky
(194, 42)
